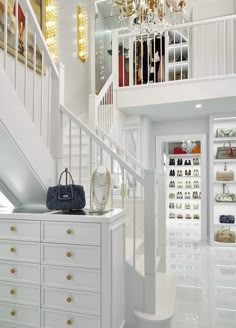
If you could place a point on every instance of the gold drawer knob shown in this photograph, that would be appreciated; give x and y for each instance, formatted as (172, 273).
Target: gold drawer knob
(69, 300)
(13, 229)
(69, 232)
(68, 277)
(13, 270)
(13, 250)
(69, 322)
(13, 313)
(12, 292)
(69, 254)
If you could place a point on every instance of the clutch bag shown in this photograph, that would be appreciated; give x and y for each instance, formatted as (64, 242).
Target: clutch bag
(224, 132)
(66, 197)
(225, 175)
(227, 219)
(225, 235)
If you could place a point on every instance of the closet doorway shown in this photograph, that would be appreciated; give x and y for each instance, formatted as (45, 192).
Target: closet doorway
(182, 161)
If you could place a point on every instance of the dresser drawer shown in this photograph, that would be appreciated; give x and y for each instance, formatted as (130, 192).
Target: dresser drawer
(20, 293)
(19, 316)
(79, 279)
(55, 319)
(20, 272)
(70, 300)
(70, 255)
(20, 230)
(19, 251)
(71, 233)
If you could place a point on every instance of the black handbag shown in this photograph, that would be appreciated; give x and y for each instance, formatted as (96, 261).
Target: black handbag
(227, 219)
(66, 197)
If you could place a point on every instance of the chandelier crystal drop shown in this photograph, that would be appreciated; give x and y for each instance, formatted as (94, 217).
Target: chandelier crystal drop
(148, 16)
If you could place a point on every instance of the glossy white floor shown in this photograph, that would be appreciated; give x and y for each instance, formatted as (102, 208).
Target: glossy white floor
(206, 280)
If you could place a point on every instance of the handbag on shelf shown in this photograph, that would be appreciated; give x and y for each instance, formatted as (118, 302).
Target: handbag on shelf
(225, 235)
(225, 132)
(196, 149)
(179, 150)
(227, 219)
(225, 175)
(225, 196)
(66, 197)
(224, 152)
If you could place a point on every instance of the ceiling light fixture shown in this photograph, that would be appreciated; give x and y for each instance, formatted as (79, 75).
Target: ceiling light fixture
(198, 106)
(149, 16)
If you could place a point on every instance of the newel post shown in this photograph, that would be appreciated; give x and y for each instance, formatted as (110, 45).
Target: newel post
(93, 112)
(150, 223)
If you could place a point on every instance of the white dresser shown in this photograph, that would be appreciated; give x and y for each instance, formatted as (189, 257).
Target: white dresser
(59, 271)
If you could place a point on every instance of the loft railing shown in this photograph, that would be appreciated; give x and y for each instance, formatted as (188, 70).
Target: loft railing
(196, 50)
(29, 65)
(99, 153)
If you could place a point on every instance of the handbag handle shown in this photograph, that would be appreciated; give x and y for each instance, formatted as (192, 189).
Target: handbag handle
(228, 143)
(225, 167)
(225, 187)
(67, 173)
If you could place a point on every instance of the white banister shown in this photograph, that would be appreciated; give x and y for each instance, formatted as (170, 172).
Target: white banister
(41, 43)
(100, 143)
(121, 151)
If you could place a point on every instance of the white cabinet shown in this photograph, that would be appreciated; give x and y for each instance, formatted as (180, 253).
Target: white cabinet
(68, 271)
(222, 136)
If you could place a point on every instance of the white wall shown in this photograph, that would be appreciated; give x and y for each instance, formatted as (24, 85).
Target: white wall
(77, 77)
(174, 128)
(212, 8)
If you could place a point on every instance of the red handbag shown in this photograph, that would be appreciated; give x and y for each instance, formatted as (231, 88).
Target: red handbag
(179, 150)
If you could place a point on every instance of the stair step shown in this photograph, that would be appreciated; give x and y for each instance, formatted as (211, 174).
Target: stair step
(165, 304)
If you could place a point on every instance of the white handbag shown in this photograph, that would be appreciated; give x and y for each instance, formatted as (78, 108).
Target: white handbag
(224, 133)
(225, 175)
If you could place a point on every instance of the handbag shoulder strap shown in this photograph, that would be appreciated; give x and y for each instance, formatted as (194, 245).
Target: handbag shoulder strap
(67, 173)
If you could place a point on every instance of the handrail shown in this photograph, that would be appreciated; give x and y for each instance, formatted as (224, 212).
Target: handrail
(26, 6)
(184, 25)
(104, 89)
(99, 141)
(121, 149)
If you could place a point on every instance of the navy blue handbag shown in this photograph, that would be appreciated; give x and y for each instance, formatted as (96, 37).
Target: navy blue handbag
(66, 197)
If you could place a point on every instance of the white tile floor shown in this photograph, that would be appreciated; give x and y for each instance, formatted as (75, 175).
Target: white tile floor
(206, 283)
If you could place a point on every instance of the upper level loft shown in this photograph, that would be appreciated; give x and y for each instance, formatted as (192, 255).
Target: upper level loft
(183, 63)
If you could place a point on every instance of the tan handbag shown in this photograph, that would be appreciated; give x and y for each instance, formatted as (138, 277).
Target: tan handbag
(225, 175)
(225, 235)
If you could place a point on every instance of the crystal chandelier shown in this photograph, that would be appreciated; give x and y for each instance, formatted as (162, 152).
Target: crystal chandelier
(148, 16)
(188, 145)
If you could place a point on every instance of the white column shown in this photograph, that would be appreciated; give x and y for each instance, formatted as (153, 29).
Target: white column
(150, 239)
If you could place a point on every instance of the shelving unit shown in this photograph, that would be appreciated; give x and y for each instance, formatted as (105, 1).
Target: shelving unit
(183, 191)
(177, 55)
(221, 208)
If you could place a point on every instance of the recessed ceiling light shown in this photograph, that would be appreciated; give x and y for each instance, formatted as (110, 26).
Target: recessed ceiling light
(198, 106)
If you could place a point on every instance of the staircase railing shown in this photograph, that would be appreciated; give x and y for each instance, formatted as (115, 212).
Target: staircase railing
(29, 65)
(196, 50)
(100, 153)
(104, 106)
(122, 152)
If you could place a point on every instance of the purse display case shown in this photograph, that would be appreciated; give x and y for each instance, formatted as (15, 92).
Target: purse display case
(222, 180)
(183, 172)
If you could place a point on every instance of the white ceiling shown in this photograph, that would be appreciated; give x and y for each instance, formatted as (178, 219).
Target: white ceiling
(185, 110)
